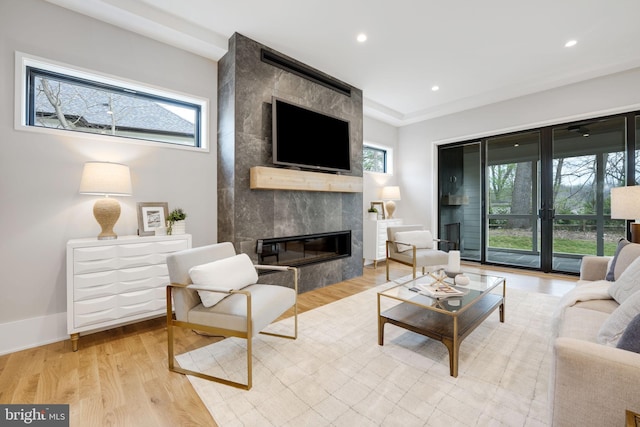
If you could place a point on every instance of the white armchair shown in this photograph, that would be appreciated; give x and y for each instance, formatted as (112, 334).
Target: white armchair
(225, 299)
(414, 246)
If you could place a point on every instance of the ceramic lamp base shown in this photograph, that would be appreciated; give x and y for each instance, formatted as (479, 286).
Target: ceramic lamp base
(107, 212)
(391, 208)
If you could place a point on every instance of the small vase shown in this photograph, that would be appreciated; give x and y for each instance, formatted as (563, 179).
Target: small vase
(179, 227)
(373, 215)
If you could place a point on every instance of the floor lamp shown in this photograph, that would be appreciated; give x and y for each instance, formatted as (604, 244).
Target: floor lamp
(625, 204)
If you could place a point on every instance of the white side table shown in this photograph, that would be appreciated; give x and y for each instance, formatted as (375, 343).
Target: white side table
(375, 238)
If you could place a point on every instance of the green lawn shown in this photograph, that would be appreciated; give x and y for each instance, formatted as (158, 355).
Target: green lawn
(580, 247)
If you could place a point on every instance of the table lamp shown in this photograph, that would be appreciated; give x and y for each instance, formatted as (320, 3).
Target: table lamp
(106, 179)
(390, 193)
(625, 204)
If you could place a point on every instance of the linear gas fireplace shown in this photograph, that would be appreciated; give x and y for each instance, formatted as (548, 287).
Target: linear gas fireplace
(305, 249)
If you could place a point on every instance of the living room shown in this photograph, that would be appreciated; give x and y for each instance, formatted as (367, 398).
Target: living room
(41, 173)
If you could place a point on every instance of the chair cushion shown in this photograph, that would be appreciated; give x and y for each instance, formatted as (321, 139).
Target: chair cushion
(234, 272)
(421, 239)
(627, 284)
(424, 258)
(268, 302)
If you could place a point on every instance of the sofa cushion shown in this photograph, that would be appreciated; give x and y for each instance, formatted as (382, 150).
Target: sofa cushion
(612, 263)
(421, 239)
(230, 273)
(630, 339)
(626, 253)
(615, 325)
(628, 283)
(607, 306)
(581, 323)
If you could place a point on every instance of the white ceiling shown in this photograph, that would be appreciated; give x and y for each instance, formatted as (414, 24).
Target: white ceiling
(477, 52)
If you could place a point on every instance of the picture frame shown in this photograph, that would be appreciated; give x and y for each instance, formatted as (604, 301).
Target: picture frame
(150, 216)
(379, 206)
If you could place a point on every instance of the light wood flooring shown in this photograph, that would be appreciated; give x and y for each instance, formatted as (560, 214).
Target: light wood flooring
(119, 377)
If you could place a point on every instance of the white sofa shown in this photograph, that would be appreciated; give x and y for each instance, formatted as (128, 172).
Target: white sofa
(593, 383)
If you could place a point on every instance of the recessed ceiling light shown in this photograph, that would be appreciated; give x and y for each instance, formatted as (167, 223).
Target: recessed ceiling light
(435, 88)
(571, 43)
(362, 37)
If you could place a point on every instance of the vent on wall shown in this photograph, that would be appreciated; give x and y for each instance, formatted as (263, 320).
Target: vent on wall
(304, 72)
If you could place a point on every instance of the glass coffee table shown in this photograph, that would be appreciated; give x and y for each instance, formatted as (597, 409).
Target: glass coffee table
(447, 319)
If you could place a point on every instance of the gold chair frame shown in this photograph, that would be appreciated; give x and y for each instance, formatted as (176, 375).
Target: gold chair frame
(413, 262)
(248, 335)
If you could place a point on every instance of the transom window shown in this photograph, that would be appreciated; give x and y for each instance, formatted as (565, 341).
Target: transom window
(69, 100)
(374, 159)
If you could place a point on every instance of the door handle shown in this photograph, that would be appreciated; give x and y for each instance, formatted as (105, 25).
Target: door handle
(545, 214)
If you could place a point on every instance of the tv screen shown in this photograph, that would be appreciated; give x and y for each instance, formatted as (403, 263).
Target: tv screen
(308, 139)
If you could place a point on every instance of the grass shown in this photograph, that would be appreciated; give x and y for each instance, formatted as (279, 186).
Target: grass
(568, 246)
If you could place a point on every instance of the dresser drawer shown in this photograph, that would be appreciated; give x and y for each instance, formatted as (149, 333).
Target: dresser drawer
(136, 249)
(94, 253)
(80, 294)
(90, 266)
(95, 318)
(138, 261)
(137, 273)
(89, 280)
(169, 246)
(132, 303)
(96, 305)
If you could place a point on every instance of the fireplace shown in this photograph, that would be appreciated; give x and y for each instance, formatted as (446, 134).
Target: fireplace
(305, 249)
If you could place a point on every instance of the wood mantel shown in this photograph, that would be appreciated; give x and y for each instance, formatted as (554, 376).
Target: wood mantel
(265, 178)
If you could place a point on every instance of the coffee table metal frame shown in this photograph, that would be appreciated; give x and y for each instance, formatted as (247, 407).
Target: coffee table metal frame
(448, 320)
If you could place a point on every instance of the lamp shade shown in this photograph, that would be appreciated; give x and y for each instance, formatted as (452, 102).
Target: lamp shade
(101, 178)
(391, 193)
(625, 202)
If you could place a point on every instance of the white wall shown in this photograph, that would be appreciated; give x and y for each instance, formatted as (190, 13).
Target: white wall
(417, 152)
(386, 136)
(40, 174)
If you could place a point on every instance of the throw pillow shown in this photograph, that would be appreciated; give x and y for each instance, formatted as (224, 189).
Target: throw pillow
(630, 339)
(627, 284)
(612, 264)
(421, 239)
(234, 272)
(615, 325)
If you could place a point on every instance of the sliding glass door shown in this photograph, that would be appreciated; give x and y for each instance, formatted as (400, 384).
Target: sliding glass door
(588, 160)
(512, 193)
(539, 199)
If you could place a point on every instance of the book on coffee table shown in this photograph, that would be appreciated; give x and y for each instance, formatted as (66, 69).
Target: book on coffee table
(439, 290)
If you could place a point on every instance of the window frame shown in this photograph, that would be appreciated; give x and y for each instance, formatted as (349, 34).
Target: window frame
(388, 160)
(97, 80)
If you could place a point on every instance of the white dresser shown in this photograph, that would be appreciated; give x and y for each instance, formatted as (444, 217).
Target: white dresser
(113, 282)
(375, 238)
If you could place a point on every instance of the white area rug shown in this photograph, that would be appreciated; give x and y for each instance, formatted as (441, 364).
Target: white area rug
(336, 374)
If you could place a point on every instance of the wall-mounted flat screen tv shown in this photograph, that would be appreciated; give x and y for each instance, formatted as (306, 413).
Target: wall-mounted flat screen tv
(309, 139)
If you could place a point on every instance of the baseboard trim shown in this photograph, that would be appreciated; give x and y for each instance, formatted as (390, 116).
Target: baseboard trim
(32, 332)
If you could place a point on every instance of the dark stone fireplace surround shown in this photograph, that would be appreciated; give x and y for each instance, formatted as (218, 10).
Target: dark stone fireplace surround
(246, 85)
